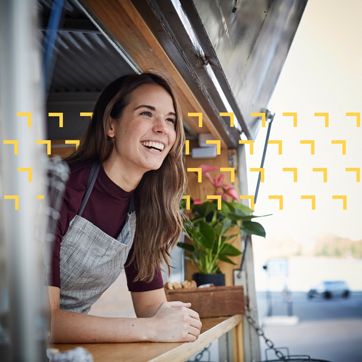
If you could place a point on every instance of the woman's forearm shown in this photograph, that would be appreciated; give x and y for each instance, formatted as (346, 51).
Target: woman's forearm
(70, 327)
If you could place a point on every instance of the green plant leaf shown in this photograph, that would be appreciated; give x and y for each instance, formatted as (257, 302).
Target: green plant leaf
(253, 228)
(204, 209)
(209, 234)
(230, 250)
(222, 227)
(186, 246)
(226, 259)
(238, 206)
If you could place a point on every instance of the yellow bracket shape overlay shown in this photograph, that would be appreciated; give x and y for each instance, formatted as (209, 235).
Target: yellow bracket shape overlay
(13, 142)
(28, 169)
(342, 197)
(248, 142)
(40, 197)
(60, 115)
(357, 170)
(46, 142)
(293, 169)
(86, 114)
(340, 142)
(326, 118)
(215, 142)
(27, 114)
(231, 170)
(309, 197)
(248, 197)
(311, 143)
(292, 114)
(198, 170)
(355, 114)
(199, 114)
(262, 115)
(187, 147)
(258, 169)
(277, 142)
(13, 197)
(188, 201)
(278, 197)
(215, 197)
(324, 170)
(72, 142)
(228, 114)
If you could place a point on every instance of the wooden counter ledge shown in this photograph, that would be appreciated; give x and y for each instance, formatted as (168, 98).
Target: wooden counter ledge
(212, 329)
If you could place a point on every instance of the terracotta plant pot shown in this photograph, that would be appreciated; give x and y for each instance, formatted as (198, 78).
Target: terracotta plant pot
(217, 279)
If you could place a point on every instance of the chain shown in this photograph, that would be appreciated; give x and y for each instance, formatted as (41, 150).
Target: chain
(260, 333)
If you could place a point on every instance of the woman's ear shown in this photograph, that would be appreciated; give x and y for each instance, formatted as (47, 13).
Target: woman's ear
(110, 127)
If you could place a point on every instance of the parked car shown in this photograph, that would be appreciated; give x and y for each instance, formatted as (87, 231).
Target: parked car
(329, 289)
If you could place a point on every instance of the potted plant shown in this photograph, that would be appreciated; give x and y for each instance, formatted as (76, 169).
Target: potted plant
(213, 231)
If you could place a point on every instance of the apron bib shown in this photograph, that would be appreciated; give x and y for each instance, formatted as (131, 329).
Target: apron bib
(90, 259)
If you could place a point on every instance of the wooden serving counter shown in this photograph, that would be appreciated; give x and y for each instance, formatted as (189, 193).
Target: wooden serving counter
(212, 329)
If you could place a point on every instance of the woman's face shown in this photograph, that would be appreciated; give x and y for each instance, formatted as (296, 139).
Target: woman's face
(145, 133)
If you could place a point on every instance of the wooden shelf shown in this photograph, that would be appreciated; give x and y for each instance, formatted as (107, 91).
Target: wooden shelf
(212, 329)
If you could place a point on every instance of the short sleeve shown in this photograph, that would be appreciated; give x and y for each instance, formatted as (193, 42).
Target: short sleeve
(62, 226)
(140, 286)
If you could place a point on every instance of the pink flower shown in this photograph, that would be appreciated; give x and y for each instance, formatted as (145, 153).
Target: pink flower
(207, 168)
(197, 202)
(231, 192)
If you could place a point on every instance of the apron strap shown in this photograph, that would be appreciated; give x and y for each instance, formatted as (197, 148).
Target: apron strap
(91, 181)
(131, 204)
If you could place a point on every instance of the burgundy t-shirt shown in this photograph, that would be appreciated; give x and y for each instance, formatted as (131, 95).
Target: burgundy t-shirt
(106, 208)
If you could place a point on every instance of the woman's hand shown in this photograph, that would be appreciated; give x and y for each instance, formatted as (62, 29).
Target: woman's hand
(176, 322)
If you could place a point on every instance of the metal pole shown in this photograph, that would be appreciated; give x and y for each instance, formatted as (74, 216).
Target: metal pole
(22, 178)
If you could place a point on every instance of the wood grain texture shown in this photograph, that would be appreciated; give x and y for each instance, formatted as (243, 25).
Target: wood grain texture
(211, 302)
(212, 329)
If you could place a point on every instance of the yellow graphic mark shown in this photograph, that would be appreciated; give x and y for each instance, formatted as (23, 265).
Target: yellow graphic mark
(13, 197)
(215, 142)
(72, 142)
(196, 115)
(294, 169)
(277, 142)
(13, 142)
(28, 169)
(86, 114)
(309, 197)
(228, 114)
(45, 142)
(40, 197)
(326, 118)
(278, 197)
(342, 197)
(188, 201)
(357, 170)
(294, 115)
(311, 143)
(248, 197)
(199, 173)
(340, 142)
(27, 114)
(262, 115)
(324, 170)
(231, 170)
(215, 197)
(355, 114)
(187, 147)
(60, 115)
(261, 170)
(248, 142)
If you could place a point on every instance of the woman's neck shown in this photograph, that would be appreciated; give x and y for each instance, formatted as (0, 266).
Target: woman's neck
(126, 178)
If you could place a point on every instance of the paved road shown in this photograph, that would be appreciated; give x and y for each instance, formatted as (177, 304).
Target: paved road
(327, 329)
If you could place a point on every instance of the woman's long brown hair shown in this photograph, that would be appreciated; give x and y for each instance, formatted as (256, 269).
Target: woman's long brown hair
(158, 195)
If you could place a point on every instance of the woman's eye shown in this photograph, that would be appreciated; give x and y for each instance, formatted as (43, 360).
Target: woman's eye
(171, 120)
(147, 113)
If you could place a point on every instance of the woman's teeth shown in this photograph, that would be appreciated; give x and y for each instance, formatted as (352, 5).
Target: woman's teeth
(156, 145)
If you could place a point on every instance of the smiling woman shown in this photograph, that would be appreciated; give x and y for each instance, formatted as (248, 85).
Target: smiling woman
(121, 209)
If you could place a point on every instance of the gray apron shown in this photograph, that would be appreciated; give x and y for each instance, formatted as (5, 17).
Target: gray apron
(90, 259)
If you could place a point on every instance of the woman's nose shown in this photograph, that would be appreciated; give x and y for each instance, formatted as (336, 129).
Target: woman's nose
(160, 126)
